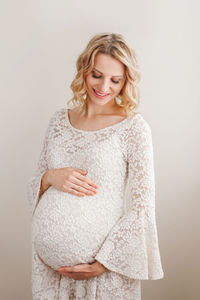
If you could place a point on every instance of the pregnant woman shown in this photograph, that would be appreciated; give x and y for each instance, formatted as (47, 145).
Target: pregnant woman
(92, 197)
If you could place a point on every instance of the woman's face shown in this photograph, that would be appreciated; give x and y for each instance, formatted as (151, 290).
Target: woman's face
(106, 80)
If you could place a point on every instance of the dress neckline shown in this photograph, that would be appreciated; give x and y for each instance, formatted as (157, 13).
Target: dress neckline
(98, 130)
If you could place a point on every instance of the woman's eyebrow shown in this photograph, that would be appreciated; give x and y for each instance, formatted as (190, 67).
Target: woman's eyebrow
(112, 76)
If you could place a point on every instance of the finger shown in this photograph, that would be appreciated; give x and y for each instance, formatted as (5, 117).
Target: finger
(72, 191)
(86, 179)
(79, 189)
(83, 185)
(77, 268)
(80, 170)
(68, 274)
(65, 269)
(81, 180)
(85, 268)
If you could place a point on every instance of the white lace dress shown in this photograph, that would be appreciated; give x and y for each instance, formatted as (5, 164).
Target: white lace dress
(119, 233)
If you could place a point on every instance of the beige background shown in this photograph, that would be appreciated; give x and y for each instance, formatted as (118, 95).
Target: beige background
(41, 41)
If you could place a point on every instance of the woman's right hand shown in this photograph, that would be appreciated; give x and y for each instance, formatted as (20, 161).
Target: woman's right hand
(72, 180)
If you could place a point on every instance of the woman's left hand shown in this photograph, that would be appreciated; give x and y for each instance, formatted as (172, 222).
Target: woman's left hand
(83, 271)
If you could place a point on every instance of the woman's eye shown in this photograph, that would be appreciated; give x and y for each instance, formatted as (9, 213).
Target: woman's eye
(95, 76)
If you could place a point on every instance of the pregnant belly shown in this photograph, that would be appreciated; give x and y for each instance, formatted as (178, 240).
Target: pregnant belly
(68, 229)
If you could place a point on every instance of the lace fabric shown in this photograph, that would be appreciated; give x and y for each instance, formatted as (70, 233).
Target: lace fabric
(68, 230)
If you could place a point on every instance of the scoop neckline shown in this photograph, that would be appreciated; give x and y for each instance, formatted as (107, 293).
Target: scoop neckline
(98, 130)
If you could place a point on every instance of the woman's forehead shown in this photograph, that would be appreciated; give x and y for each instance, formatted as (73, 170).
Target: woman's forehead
(107, 65)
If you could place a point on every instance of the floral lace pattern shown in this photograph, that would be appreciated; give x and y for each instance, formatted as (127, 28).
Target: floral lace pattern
(120, 233)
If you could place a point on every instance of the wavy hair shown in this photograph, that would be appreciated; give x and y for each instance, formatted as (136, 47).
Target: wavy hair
(115, 45)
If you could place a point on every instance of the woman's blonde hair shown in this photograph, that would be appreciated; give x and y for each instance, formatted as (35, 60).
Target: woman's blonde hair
(115, 45)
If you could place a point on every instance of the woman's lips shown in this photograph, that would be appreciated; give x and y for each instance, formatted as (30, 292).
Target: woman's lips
(101, 97)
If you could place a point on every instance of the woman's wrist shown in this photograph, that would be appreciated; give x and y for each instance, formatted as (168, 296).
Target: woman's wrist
(45, 183)
(46, 179)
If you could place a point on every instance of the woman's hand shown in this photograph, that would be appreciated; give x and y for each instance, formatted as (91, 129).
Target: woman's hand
(83, 271)
(72, 180)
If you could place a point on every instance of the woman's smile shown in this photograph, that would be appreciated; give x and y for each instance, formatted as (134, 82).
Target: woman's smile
(100, 95)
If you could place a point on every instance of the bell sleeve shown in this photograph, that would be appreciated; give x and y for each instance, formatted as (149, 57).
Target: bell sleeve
(34, 182)
(131, 247)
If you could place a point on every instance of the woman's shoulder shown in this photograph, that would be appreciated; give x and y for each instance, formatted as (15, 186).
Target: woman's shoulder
(58, 114)
(138, 124)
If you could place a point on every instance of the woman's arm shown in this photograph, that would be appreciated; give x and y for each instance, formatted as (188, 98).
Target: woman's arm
(37, 183)
(68, 179)
(131, 248)
(45, 183)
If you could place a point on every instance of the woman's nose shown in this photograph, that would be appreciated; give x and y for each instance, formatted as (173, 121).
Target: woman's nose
(104, 86)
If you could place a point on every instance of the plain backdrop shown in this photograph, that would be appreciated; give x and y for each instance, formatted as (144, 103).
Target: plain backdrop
(40, 42)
